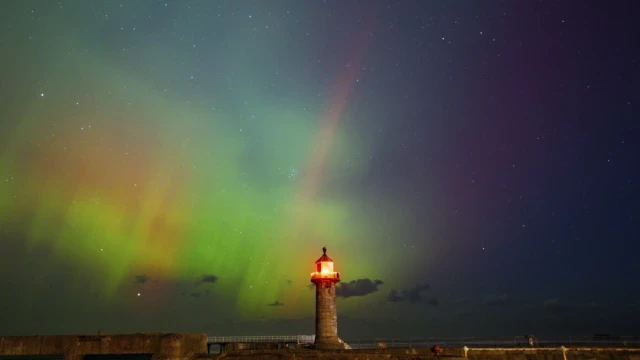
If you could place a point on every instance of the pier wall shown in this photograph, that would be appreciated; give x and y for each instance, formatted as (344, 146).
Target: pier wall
(159, 346)
(566, 353)
(424, 354)
(154, 346)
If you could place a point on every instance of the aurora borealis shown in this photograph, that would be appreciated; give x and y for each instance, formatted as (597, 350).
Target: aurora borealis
(178, 166)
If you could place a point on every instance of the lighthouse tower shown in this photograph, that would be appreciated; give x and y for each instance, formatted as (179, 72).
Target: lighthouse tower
(325, 280)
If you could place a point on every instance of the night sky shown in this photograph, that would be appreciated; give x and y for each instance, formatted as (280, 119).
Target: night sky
(177, 166)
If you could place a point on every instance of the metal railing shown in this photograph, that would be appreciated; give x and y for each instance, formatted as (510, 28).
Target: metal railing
(326, 275)
(459, 342)
(502, 342)
(298, 339)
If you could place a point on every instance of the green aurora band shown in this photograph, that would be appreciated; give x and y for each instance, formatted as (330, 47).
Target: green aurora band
(144, 182)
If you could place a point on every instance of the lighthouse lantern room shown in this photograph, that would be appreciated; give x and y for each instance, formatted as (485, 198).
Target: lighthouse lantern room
(324, 268)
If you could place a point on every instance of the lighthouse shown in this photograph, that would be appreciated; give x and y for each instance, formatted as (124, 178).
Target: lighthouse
(325, 280)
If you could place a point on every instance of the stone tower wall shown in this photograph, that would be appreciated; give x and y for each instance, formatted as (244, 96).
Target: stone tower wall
(326, 314)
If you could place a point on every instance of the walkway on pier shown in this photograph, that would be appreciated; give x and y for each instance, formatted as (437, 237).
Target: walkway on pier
(286, 339)
(223, 341)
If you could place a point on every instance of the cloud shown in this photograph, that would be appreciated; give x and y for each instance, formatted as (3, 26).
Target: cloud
(208, 279)
(276, 303)
(460, 301)
(412, 295)
(556, 307)
(498, 300)
(551, 303)
(360, 287)
(192, 288)
(197, 294)
(141, 279)
(394, 296)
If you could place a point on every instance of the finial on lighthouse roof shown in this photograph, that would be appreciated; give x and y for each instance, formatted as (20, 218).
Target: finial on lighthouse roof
(324, 257)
